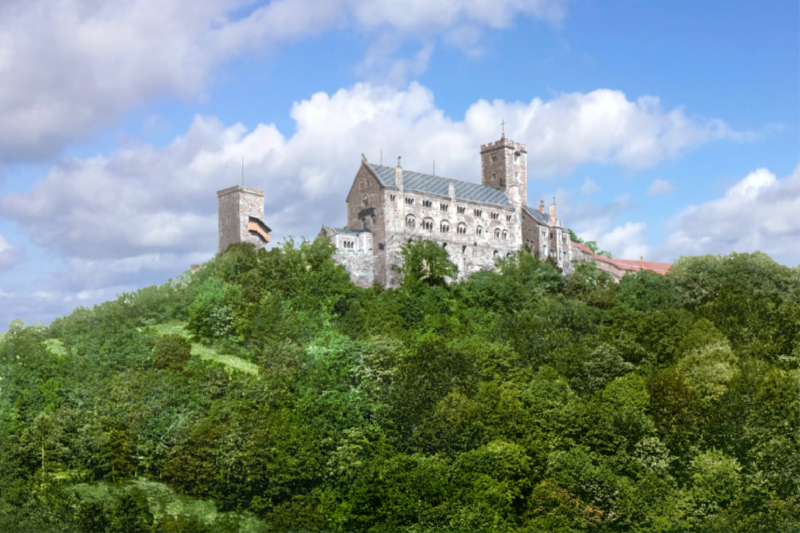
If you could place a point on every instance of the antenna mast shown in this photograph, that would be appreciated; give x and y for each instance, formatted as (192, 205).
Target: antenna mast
(242, 170)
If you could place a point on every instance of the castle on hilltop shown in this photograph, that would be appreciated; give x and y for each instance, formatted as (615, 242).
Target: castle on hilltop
(476, 223)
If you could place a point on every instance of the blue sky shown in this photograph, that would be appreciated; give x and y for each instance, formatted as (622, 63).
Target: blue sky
(663, 128)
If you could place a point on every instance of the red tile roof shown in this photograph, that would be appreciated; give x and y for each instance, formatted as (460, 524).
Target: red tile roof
(627, 264)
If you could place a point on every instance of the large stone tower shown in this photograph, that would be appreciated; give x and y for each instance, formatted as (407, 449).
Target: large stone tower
(504, 166)
(241, 210)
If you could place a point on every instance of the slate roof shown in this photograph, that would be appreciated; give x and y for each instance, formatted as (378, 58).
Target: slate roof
(340, 231)
(538, 216)
(427, 183)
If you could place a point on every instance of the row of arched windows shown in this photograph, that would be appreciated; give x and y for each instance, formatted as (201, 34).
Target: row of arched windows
(444, 227)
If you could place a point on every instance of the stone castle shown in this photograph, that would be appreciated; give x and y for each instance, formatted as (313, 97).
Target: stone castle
(475, 223)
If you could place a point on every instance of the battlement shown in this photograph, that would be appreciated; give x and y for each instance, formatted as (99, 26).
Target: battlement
(240, 189)
(504, 143)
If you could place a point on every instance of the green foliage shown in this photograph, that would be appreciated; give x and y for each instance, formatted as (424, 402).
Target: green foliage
(209, 315)
(424, 263)
(515, 400)
(702, 277)
(592, 245)
(172, 352)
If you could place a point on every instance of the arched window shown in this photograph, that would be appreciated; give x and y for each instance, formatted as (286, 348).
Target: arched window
(462, 228)
(427, 224)
(365, 199)
(496, 254)
(497, 233)
(444, 226)
(463, 248)
(444, 245)
(479, 230)
(411, 221)
(505, 234)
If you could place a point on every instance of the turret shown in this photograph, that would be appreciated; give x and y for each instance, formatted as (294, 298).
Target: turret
(504, 166)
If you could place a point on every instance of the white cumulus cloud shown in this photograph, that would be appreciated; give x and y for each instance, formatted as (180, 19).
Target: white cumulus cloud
(9, 255)
(660, 187)
(589, 187)
(69, 67)
(625, 242)
(760, 212)
(145, 214)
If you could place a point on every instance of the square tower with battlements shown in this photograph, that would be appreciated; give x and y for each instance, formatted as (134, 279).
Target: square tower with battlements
(504, 166)
(241, 210)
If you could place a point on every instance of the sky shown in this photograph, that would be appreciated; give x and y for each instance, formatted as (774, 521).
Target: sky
(663, 128)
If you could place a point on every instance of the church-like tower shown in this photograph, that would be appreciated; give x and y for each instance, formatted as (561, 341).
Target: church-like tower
(504, 166)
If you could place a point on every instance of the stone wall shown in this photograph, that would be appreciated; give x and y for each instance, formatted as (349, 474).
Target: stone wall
(357, 258)
(581, 253)
(470, 251)
(365, 211)
(504, 166)
(235, 205)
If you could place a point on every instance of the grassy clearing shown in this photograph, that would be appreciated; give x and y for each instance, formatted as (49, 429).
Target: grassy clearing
(206, 352)
(164, 501)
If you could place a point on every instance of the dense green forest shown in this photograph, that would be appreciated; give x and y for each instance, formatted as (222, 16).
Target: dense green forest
(266, 393)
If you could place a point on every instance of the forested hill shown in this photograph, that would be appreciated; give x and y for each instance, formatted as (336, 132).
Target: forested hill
(266, 393)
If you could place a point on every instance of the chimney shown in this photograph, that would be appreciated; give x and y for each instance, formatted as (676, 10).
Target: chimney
(553, 213)
(451, 192)
(398, 176)
(541, 207)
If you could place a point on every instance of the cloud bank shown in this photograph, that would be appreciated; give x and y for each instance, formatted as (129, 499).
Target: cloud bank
(97, 60)
(760, 212)
(145, 214)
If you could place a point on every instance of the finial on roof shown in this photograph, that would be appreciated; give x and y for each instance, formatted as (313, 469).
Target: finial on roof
(363, 157)
(503, 125)
(398, 161)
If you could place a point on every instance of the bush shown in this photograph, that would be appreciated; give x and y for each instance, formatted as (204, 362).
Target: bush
(209, 315)
(172, 352)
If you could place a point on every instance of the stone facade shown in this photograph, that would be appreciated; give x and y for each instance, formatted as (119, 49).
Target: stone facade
(240, 212)
(476, 224)
(354, 251)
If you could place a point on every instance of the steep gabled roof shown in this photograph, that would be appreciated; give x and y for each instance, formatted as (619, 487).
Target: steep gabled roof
(427, 183)
(538, 216)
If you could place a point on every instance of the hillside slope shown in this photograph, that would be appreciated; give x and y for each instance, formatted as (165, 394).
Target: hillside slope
(270, 394)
